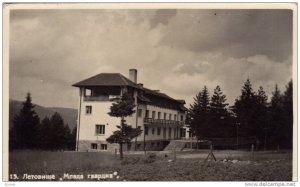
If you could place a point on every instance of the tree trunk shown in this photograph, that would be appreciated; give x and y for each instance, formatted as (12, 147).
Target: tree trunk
(121, 150)
(121, 143)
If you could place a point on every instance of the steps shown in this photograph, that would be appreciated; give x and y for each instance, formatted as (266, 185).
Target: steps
(177, 145)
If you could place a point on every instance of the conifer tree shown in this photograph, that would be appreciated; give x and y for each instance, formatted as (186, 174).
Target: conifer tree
(245, 109)
(123, 108)
(199, 117)
(218, 103)
(220, 119)
(261, 123)
(287, 105)
(193, 117)
(67, 137)
(57, 132)
(25, 130)
(46, 133)
(276, 118)
(281, 117)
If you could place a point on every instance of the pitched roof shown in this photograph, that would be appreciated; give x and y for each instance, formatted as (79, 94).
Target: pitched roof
(158, 93)
(106, 79)
(117, 79)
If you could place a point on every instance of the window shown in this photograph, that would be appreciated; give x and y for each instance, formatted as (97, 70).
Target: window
(104, 146)
(88, 109)
(165, 116)
(87, 92)
(158, 115)
(170, 132)
(153, 114)
(140, 112)
(170, 116)
(94, 146)
(147, 114)
(158, 131)
(181, 118)
(153, 130)
(175, 117)
(146, 130)
(100, 129)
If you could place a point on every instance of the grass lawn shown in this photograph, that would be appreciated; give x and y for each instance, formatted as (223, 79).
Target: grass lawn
(135, 167)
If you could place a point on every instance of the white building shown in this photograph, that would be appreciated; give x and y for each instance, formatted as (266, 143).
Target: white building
(159, 116)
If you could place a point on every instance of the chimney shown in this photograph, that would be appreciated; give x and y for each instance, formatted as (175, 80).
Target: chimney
(133, 75)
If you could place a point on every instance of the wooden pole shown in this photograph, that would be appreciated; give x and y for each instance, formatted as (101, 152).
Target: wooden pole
(211, 154)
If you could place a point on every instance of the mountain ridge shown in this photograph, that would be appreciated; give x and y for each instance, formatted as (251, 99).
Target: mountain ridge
(69, 115)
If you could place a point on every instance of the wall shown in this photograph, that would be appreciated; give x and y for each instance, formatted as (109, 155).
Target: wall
(99, 116)
(87, 130)
(135, 121)
(154, 136)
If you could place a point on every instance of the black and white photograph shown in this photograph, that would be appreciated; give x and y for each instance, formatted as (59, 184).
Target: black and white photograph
(150, 92)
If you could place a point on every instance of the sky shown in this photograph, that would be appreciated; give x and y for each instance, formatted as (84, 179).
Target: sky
(176, 51)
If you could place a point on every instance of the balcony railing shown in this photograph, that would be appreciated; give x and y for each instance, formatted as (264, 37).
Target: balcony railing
(163, 122)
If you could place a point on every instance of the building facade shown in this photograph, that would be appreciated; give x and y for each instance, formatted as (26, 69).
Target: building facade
(161, 117)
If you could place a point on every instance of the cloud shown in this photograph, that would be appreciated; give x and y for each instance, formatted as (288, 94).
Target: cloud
(162, 16)
(175, 51)
(235, 33)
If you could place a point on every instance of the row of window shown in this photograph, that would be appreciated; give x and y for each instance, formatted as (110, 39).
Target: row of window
(100, 130)
(88, 110)
(158, 131)
(140, 111)
(102, 146)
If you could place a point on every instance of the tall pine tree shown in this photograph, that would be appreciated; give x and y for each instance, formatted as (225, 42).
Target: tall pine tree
(199, 115)
(276, 118)
(287, 105)
(245, 107)
(218, 103)
(261, 123)
(25, 130)
(220, 120)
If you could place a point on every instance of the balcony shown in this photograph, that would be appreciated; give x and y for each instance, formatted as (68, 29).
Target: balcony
(101, 98)
(162, 122)
(95, 98)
